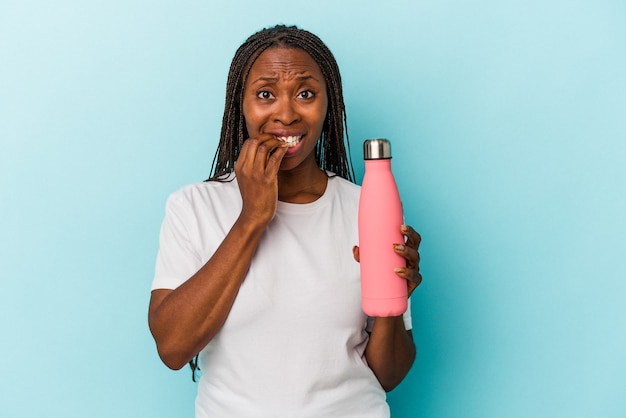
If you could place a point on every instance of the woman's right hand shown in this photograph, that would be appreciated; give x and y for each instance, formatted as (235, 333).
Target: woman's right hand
(257, 175)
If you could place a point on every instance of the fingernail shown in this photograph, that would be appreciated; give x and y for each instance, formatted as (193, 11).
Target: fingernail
(404, 228)
(399, 247)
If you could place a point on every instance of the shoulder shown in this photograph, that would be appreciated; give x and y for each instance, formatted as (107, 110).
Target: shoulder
(201, 193)
(345, 187)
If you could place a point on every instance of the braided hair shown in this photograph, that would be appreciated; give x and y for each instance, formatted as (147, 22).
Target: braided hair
(332, 151)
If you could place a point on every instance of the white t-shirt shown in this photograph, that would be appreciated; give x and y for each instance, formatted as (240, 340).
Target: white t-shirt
(292, 345)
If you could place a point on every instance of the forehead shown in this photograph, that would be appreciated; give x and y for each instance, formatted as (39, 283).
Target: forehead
(285, 63)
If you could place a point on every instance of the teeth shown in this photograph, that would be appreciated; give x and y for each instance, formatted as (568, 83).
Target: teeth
(291, 141)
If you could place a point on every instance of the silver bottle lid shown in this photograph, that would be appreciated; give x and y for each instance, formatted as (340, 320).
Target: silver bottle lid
(376, 149)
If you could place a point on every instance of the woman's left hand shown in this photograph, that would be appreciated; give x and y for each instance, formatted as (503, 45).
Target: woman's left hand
(410, 251)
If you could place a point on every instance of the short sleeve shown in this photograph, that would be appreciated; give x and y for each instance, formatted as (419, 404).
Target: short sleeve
(177, 259)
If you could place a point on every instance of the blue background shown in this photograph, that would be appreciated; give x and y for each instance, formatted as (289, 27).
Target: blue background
(508, 121)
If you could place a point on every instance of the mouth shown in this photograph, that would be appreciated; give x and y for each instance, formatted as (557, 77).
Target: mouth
(291, 141)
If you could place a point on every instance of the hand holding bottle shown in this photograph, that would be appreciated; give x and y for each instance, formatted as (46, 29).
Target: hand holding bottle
(410, 252)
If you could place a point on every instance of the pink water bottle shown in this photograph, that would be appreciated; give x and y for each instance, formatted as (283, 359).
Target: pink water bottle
(380, 217)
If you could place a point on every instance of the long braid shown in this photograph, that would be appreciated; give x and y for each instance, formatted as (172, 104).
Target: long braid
(332, 152)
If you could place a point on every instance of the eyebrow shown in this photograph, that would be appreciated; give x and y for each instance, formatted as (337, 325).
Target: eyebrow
(275, 79)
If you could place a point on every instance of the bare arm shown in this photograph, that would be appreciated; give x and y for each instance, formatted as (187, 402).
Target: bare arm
(184, 320)
(390, 352)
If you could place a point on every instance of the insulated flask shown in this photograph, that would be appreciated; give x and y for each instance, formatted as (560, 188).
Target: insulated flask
(379, 220)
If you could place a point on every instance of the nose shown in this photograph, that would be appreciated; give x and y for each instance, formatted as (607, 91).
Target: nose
(286, 112)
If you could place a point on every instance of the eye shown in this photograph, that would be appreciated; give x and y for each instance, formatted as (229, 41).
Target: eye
(306, 94)
(264, 95)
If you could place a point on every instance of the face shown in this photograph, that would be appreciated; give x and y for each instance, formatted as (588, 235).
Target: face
(285, 96)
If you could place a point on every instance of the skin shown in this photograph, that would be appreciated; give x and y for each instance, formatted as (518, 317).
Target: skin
(285, 95)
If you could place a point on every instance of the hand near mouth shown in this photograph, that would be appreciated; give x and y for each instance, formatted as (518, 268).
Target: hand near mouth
(257, 175)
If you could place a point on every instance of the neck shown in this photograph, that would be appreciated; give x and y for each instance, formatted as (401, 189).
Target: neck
(304, 184)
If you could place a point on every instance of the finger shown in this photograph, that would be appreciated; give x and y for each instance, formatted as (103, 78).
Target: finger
(247, 156)
(243, 156)
(250, 149)
(264, 149)
(356, 253)
(411, 275)
(413, 280)
(274, 160)
(411, 255)
(413, 239)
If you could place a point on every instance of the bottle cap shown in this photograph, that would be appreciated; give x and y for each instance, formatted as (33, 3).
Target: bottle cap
(376, 149)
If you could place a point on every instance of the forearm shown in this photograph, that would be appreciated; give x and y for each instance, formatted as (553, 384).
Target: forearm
(184, 320)
(390, 351)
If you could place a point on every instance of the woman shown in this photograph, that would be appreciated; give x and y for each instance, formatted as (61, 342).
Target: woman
(256, 269)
